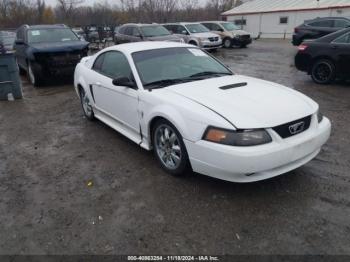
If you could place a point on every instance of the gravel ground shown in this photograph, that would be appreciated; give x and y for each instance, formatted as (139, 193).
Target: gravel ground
(49, 153)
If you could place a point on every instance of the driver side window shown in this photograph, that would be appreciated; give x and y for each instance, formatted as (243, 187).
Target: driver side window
(115, 65)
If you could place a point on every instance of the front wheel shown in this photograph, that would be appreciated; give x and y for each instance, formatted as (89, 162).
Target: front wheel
(169, 148)
(227, 43)
(323, 72)
(34, 77)
(86, 105)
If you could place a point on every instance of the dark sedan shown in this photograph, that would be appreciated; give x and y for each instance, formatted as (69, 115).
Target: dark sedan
(326, 58)
(318, 27)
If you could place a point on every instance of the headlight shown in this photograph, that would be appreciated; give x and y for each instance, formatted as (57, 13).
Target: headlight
(319, 116)
(237, 138)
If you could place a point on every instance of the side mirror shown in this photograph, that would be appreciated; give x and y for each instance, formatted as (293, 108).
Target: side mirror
(221, 30)
(124, 81)
(184, 32)
(19, 42)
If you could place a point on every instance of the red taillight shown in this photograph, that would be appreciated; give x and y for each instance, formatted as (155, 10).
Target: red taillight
(296, 30)
(302, 47)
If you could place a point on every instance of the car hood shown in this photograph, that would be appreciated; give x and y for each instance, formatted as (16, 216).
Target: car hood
(239, 32)
(59, 47)
(258, 104)
(205, 35)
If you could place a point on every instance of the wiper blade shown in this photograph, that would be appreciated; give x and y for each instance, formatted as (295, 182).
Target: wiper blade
(164, 83)
(210, 73)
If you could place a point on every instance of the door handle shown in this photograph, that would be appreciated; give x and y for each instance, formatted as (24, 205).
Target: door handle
(334, 47)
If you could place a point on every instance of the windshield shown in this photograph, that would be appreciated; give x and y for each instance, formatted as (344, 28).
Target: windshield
(162, 67)
(51, 35)
(156, 30)
(230, 26)
(7, 38)
(197, 28)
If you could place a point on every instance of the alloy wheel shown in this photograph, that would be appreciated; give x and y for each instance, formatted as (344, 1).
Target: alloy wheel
(86, 104)
(168, 147)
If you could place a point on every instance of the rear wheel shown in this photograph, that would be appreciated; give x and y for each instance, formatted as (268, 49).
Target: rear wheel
(86, 105)
(169, 148)
(323, 71)
(193, 43)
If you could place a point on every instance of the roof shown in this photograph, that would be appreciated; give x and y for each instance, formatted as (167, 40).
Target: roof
(46, 26)
(139, 25)
(130, 48)
(272, 6)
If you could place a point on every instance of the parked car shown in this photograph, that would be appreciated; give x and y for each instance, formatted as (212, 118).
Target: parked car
(46, 50)
(144, 32)
(326, 58)
(194, 112)
(231, 34)
(92, 35)
(318, 27)
(79, 32)
(7, 39)
(196, 34)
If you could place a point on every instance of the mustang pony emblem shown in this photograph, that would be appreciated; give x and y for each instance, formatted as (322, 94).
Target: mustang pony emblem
(297, 128)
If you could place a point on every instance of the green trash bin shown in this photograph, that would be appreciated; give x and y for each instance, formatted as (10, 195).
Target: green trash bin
(10, 82)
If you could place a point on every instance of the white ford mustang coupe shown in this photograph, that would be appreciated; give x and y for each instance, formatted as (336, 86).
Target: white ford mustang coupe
(195, 113)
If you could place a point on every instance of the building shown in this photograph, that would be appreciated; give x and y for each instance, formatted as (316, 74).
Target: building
(278, 18)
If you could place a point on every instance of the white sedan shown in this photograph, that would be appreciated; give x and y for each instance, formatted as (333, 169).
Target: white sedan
(196, 114)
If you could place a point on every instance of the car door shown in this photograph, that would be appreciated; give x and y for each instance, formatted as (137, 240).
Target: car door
(181, 30)
(118, 102)
(135, 34)
(341, 51)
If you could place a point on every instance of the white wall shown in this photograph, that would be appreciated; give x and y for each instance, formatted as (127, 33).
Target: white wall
(269, 23)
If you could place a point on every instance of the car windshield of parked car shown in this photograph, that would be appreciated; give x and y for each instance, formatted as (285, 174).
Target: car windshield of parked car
(51, 35)
(230, 26)
(167, 66)
(7, 38)
(151, 31)
(197, 28)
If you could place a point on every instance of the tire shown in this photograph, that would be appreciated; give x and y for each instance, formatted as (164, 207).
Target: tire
(85, 104)
(169, 148)
(193, 43)
(323, 72)
(227, 43)
(33, 76)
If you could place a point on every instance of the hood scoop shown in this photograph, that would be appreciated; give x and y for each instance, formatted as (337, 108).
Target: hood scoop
(233, 86)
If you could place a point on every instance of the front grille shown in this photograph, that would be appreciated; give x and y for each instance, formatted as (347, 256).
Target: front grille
(213, 39)
(245, 37)
(293, 128)
(59, 58)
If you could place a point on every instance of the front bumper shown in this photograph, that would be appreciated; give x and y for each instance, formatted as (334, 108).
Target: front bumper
(251, 164)
(241, 41)
(207, 45)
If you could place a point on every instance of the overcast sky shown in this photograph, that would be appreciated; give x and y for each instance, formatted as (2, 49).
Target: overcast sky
(91, 2)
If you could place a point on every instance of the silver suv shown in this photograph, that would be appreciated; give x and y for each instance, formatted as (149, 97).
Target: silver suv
(196, 34)
(144, 32)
